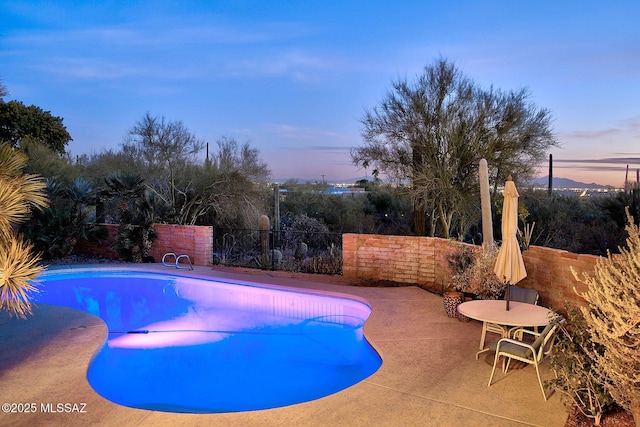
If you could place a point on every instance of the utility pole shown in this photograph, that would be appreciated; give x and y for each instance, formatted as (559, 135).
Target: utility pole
(276, 215)
(550, 187)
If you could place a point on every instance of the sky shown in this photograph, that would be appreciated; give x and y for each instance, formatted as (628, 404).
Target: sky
(294, 78)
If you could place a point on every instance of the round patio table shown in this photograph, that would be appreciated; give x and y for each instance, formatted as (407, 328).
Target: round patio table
(495, 312)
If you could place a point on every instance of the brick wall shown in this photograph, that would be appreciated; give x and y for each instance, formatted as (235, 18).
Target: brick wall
(193, 240)
(549, 272)
(422, 261)
(394, 258)
(102, 248)
(403, 259)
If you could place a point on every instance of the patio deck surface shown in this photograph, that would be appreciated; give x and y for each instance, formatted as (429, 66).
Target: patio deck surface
(429, 375)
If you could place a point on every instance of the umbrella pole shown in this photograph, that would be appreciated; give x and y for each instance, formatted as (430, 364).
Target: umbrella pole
(507, 295)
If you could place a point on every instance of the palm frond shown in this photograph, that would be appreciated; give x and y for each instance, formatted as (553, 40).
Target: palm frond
(34, 191)
(12, 161)
(18, 270)
(12, 208)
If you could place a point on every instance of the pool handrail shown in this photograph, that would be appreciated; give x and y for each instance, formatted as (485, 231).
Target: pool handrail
(177, 260)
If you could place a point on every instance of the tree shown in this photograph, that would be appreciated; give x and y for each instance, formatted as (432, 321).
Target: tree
(582, 225)
(19, 193)
(613, 319)
(136, 216)
(18, 121)
(3, 90)
(45, 162)
(432, 133)
(55, 230)
(161, 147)
(232, 185)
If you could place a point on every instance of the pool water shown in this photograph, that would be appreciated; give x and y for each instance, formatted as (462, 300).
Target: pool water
(185, 344)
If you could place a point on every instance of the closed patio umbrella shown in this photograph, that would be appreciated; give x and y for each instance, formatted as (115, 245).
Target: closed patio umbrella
(509, 265)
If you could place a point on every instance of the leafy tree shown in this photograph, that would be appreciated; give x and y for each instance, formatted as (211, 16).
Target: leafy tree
(47, 163)
(19, 194)
(18, 121)
(432, 133)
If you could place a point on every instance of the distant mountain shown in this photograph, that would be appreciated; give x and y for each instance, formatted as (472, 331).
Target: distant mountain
(327, 181)
(567, 183)
(536, 182)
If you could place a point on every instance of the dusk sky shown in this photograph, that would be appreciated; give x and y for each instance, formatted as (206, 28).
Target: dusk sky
(293, 78)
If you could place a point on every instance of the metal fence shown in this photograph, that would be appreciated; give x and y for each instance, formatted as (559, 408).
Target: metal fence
(290, 250)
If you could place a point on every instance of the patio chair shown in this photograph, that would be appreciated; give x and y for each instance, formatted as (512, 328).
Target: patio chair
(532, 354)
(518, 294)
(524, 295)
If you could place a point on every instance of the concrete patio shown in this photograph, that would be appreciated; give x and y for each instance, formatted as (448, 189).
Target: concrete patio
(429, 375)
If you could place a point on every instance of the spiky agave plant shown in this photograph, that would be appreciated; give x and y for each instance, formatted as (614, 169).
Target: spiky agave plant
(18, 269)
(19, 193)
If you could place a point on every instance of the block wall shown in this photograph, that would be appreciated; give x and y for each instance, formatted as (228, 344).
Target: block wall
(393, 258)
(423, 261)
(193, 240)
(549, 272)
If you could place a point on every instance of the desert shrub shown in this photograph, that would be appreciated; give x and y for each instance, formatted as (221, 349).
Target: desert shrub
(303, 228)
(574, 363)
(612, 317)
(329, 262)
(473, 272)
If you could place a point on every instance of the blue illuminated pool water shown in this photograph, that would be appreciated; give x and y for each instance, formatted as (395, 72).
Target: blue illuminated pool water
(185, 344)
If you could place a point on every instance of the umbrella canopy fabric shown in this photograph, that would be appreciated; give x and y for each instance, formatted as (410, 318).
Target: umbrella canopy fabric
(509, 264)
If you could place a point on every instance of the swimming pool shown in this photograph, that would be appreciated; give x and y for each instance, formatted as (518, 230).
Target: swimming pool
(187, 344)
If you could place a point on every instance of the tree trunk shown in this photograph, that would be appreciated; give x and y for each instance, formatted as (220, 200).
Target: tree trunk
(419, 227)
(445, 221)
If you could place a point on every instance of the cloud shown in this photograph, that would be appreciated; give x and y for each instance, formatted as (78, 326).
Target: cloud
(594, 134)
(623, 127)
(606, 164)
(91, 69)
(296, 64)
(591, 168)
(614, 160)
(178, 54)
(302, 133)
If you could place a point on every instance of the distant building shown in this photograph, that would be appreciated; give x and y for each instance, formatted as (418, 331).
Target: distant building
(346, 191)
